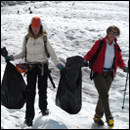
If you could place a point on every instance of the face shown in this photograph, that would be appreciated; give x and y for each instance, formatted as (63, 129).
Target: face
(112, 35)
(35, 31)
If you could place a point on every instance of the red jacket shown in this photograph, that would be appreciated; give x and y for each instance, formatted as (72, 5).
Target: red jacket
(99, 62)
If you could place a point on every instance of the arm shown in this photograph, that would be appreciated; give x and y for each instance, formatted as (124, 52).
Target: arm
(120, 61)
(93, 50)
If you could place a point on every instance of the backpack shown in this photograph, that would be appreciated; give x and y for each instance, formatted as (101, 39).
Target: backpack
(45, 43)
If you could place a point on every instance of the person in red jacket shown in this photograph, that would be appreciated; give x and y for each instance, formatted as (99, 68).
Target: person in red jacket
(104, 70)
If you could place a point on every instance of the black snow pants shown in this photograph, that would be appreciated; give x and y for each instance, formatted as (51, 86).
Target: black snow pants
(32, 76)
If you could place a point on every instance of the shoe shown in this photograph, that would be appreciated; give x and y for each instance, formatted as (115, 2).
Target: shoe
(45, 112)
(97, 119)
(110, 122)
(28, 121)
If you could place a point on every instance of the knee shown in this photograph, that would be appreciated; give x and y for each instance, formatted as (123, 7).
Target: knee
(104, 95)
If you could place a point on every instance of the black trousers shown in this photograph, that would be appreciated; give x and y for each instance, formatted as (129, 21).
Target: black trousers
(32, 76)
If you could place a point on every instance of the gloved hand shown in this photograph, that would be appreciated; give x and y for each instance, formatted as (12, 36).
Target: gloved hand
(126, 69)
(85, 63)
(4, 52)
(9, 58)
(60, 66)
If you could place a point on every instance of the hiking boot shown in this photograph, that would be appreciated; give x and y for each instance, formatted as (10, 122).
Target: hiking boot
(28, 121)
(45, 112)
(110, 122)
(97, 119)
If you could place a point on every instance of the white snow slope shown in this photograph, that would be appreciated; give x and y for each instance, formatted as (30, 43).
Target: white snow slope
(73, 27)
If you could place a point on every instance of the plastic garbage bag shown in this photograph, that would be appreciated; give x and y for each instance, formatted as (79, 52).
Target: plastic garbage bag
(69, 97)
(13, 88)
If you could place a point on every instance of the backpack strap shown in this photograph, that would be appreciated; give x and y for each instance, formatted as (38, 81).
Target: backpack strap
(91, 62)
(26, 40)
(45, 45)
(99, 48)
(119, 48)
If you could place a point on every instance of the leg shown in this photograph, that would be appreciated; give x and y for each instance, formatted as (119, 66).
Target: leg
(109, 82)
(42, 86)
(102, 89)
(100, 108)
(31, 90)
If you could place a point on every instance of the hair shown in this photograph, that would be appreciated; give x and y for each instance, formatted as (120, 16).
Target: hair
(113, 27)
(42, 32)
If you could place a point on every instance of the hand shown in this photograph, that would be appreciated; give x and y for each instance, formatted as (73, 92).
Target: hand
(85, 63)
(126, 69)
(9, 58)
(60, 67)
(4, 52)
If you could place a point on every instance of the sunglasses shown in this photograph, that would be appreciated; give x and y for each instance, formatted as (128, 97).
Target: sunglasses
(35, 28)
(114, 33)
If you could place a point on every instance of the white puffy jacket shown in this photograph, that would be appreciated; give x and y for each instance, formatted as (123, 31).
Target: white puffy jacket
(36, 51)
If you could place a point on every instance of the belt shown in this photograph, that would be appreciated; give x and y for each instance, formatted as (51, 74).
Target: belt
(107, 72)
(107, 69)
(37, 63)
(33, 64)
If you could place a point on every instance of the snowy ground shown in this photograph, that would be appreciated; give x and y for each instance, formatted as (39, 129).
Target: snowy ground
(73, 27)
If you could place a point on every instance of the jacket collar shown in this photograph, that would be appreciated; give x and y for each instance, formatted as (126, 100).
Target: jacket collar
(114, 39)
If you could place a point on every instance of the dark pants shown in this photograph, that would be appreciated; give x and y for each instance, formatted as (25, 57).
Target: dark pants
(102, 84)
(31, 90)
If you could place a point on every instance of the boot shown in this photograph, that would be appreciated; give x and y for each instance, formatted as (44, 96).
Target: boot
(97, 119)
(110, 122)
(45, 112)
(28, 121)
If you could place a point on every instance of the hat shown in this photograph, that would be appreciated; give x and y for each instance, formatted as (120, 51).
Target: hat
(36, 22)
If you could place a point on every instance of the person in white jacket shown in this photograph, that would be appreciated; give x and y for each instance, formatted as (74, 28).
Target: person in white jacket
(34, 52)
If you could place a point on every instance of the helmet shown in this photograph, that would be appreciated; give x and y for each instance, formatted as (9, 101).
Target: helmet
(22, 68)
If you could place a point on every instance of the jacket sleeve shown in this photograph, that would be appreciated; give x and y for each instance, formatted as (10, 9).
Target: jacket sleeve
(52, 53)
(21, 54)
(120, 61)
(93, 50)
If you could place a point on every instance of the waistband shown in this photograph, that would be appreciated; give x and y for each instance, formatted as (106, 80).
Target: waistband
(37, 63)
(107, 69)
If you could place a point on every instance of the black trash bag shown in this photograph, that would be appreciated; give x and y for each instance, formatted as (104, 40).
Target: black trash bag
(68, 95)
(13, 88)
